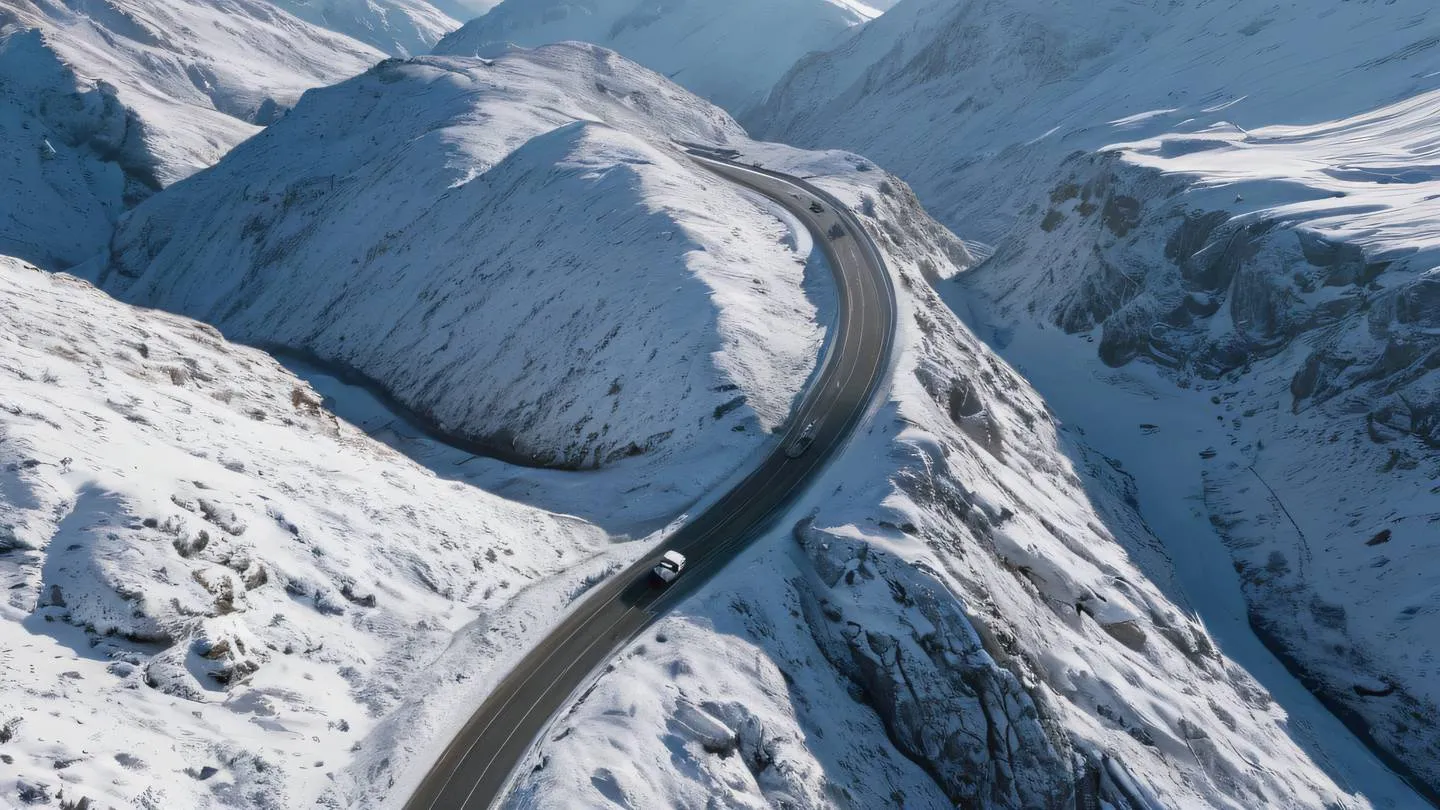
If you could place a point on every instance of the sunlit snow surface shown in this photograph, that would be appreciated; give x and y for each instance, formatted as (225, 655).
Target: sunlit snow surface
(632, 308)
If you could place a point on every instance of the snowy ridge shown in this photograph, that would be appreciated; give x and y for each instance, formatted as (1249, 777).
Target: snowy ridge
(730, 53)
(213, 588)
(548, 275)
(953, 95)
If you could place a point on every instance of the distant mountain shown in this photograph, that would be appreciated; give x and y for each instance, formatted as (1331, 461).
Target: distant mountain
(105, 102)
(730, 53)
(397, 27)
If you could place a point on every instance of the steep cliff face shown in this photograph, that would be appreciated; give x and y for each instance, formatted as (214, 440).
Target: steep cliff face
(1231, 205)
(1289, 272)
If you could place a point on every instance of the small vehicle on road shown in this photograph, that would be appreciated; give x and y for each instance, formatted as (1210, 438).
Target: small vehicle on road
(816, 207)
(802, 443)
(669, 567)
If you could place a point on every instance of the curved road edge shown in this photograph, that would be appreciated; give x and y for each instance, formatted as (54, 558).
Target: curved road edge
(476, 770)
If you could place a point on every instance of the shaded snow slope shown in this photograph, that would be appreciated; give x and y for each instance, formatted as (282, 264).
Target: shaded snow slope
(102, 103)
(512, 249)
(397, 27)
(76, 156)
(730, 53)
(977, 581)
(213, 590)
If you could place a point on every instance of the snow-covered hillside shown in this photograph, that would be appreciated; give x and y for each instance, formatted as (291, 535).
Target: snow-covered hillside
(730, 53)
(976, 102)
(397, 27)
(1240, 195)
(102, 103)
(1285, 275)
(511, 248)
(213, 590)
(966, 611)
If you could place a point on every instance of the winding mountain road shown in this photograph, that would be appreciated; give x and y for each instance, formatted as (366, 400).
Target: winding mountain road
(475, 771)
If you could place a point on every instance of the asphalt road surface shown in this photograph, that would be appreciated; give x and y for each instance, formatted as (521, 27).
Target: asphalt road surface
(474, 772)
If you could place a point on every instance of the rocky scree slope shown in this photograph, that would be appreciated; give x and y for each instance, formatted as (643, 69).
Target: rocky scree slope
(730, 53)
(976, 582)
(213, 590)
(513, 249)
(106, 102)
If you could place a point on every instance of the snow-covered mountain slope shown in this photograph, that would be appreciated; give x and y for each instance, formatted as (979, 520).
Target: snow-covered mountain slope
(1288, 273)
(464, 10)
(730, 53)
(977, 583)
(1238, 194)
(213, 590)
(397, 27)
(512, 249)
(104, 102)
(953, 95)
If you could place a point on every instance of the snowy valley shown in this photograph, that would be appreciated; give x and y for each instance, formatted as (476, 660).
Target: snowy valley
(1144, 515)
(1243, 250)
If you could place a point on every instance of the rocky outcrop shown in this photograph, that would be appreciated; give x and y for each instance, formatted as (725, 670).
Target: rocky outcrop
(1273, 307)
(945, 701)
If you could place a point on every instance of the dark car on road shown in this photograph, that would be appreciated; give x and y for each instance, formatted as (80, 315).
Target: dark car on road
(802, 443)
